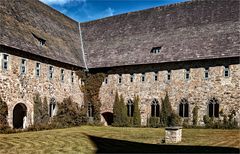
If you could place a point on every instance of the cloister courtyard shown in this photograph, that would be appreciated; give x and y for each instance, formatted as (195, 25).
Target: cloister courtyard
(100, 139)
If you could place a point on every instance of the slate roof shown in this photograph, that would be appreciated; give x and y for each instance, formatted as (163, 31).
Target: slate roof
(23, 22)
(199, 29)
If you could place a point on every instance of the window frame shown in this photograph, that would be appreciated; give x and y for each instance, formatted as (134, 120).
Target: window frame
(215, 108)
(23, 64)
(90, 109)
(184, 107)
(155, 76)
(62, 74)
(50, 72)
(156, 50)
(155, 108)
(130, 108)
(226, 69)
(119, 78)
(106, 80)
(37, 70)
(5, 61)
(132, 76)
(206, 73)
(187, 74)
(143, 77)
(72, 77)
(52, 107)
(169, 72)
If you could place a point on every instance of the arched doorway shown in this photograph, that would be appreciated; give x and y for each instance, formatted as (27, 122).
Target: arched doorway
(108, 116)
(19, 112)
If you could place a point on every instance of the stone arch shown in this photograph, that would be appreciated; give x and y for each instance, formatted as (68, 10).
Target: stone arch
(19, 112)
(52, 107)
(108, 117)
(130, 108)
(213, 107)
(183, 108)
(155, 108)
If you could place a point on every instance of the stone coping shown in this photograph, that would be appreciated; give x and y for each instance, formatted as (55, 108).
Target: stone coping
(173, 128)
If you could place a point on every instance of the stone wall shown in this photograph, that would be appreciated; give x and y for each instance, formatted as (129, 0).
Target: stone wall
(197, 90)
(16, 88)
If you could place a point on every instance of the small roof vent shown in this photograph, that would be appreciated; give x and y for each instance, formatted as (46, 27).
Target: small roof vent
(156, 49)
(41, 41)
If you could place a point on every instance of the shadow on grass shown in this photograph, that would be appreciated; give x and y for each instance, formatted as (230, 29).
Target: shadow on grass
(106, 145)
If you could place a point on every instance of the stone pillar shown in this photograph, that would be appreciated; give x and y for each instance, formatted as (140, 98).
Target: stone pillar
(173, 134)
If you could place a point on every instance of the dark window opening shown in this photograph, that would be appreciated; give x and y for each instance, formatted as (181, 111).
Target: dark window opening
(41, 41)
(62, 75)
(143, 77)
(187, 74)
(38, 69)
(106, 80)
(155, 108)
(131, 77)
(183, 108)
(226, 71)
(72, 77)
(206, 73)
(120, 78)
(169, 75)
(156, 49)
(90, 110)
(155, 76)
(213, 108)
(51, 72)
(130, 108)
(23, 66)
(52, 107)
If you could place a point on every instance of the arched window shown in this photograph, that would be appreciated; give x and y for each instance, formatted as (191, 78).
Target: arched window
(213, 108)
(52, 107)
(183, 108)
(90, 109)
(155, 108)
(130, 108)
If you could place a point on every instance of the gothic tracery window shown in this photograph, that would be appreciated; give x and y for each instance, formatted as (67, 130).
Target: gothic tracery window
(90, 109)
(130, 108)
(183, 108)
(155, 108)
(52, 107)
(213, 108)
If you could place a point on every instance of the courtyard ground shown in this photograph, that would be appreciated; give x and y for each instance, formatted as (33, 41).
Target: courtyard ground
(91, 139)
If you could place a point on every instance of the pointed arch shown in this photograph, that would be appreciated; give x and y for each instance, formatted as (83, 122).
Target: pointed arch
(213, 107)
(130, 108)
(155, 108)
(184, 108)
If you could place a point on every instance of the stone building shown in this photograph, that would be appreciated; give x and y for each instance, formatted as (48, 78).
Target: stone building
(190, 50)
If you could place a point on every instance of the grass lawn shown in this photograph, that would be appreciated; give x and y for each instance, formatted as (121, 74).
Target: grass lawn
(76, 140)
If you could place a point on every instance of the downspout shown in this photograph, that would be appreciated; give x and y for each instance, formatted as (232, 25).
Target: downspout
(82, 47)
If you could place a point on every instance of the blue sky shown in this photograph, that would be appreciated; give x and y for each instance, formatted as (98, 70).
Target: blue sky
(87, 10)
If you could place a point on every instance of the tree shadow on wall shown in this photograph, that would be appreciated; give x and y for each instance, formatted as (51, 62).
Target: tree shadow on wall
(106, 145)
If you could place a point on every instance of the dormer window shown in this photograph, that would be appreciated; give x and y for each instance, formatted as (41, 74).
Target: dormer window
(156, 49)
(41, 41)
